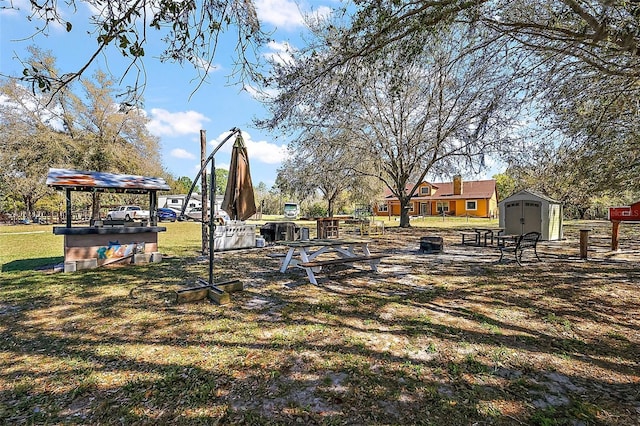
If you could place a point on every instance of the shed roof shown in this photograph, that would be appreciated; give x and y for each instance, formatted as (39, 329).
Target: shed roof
(78, 180)
(530, 193)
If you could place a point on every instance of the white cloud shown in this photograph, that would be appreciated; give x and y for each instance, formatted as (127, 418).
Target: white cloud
(266, 152)
(259, 151)
(287, 14)
(182, 153)
(205, 65)
(281, 53)
(281, 13)
(165, 123)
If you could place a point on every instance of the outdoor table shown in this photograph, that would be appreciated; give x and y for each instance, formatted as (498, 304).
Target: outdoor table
(304, 252)
(487, 234)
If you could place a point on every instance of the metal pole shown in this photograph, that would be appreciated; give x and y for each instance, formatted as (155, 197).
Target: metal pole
(212, 197)
(204, 193)
(212, 224)
(68, 196)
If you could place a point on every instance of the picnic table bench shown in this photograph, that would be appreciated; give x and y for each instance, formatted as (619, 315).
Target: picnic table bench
(528, 241)
(317, 265)
(304, 254)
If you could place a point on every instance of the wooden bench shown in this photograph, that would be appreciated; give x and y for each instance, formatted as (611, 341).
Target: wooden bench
(321, 263)
(280, 255)
(470, 235)
(316, 265)
(527, 241)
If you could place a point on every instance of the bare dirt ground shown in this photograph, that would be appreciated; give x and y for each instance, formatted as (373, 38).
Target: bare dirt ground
(443, 339)
(551, 342)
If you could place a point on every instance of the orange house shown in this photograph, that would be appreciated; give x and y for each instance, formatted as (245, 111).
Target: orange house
(474, 198)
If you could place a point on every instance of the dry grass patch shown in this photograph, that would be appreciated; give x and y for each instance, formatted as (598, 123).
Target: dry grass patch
(430, 339)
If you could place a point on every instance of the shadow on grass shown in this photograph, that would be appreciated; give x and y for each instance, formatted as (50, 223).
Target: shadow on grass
(31, 264)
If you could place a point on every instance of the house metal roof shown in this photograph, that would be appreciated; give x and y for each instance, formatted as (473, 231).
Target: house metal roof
(78, 180)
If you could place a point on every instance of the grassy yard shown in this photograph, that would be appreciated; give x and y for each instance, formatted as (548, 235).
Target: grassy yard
(451, 339)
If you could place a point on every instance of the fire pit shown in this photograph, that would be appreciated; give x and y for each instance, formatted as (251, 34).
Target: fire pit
(431, 245)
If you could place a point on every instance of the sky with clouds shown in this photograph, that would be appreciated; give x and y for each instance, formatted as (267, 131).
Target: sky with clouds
(176, 103)
(176, 107)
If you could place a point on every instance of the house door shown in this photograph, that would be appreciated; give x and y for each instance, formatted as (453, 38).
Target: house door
(523, 216)
(425, 209)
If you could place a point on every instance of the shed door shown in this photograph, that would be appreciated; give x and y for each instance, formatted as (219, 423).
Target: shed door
(522, 217)
(532, 214)
(512, 215)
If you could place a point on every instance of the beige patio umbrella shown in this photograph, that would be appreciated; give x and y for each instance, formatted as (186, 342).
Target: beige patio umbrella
(239, 201)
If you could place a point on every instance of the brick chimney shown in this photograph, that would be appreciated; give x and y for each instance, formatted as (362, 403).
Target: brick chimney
(457, 185)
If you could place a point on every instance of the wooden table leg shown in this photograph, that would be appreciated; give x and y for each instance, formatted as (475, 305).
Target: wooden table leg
(304, 255)
(287, 260)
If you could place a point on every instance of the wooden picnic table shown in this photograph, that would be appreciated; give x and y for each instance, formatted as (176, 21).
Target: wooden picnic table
(304, 254)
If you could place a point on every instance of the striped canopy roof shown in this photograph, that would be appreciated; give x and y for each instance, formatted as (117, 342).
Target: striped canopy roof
(104, 182)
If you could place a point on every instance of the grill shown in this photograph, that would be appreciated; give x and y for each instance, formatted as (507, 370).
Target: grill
(234, 235)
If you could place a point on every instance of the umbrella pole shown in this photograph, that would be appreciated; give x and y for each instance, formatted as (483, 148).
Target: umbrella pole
(220, 292)
(212, 222)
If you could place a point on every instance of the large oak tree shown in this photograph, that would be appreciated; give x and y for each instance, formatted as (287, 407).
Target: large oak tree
(437, 107)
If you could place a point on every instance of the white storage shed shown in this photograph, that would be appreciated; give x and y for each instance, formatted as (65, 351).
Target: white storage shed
(528, 211)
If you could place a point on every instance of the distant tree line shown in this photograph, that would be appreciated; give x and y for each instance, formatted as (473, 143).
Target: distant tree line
(83, 128)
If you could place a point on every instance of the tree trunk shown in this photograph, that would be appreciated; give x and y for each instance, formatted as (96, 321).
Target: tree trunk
(582, 212)
(28, 205)
(404, 212)
(95, 206)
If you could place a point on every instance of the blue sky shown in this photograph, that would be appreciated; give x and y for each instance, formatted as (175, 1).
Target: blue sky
(177, 113)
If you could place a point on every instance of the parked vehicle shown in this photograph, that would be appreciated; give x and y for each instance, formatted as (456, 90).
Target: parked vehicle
(291, 210)
(196, 214)
(166, 214)
(128, 213)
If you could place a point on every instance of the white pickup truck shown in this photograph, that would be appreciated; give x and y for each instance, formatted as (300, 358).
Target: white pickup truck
(128, 213)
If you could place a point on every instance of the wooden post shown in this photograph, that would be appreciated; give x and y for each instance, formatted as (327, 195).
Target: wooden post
(615, 235)
(584, 243)
(204, 193)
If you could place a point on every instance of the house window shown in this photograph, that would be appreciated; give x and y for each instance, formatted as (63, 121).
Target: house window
(382, 207)
(442, 206)
(425, 190)
(472, 205)
(411, 208)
